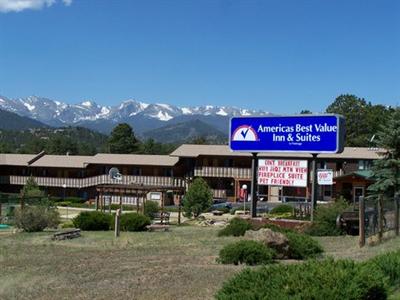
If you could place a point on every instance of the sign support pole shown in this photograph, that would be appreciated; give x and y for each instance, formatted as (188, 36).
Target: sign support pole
(314, 187)
(254, 168)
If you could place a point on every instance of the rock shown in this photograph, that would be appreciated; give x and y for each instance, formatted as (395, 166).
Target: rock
(271, 239)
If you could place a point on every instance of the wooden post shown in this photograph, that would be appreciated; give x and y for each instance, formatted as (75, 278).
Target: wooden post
(109, 204)
(137, 201)
(396, 214)
(22, 201)
(380, 218)
(120, 199)
(179, 209)
(117, 223)
(162, 207)
(361, 220)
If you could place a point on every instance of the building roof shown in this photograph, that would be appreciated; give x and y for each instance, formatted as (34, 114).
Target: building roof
(134, 159)
(189, 150)
(365, 174)
(16, 159)
(79, 161)
(62, 161)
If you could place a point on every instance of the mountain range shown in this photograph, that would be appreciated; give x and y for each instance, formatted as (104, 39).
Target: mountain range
(147, 119)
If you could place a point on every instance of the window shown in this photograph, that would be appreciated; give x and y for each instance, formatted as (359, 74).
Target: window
(168, 172)
(364, 164)
(137, 171)
(228, 163)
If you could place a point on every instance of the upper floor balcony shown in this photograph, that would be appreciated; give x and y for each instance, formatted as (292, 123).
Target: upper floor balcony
(233, 172)
(94, 181)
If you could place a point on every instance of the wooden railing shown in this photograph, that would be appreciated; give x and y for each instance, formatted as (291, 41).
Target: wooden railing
(222, 172)
(93, 181)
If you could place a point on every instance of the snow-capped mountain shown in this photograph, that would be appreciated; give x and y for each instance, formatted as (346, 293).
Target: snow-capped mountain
(90, 114)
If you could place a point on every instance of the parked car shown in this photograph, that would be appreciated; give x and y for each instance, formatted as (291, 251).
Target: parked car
(220, 203)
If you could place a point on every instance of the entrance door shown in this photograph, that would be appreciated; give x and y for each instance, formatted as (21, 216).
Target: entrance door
(357, 193)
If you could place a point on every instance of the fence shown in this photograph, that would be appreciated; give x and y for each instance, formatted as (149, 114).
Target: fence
(378, 216)
(9, 202)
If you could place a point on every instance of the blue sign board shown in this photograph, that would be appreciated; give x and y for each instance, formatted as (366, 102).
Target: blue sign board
(302, 133)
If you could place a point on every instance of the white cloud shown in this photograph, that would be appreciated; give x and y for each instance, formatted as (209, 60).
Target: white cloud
(20, 5)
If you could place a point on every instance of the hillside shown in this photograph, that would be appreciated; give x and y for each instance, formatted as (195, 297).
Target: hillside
(12, 121)
(186, 131)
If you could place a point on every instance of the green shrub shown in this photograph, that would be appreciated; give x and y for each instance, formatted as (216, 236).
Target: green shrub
(282, 209)
(92, 221)
(134, 222)
(151, 208)
(325, 219)
(246, 252)
(301, 246)
(36, 218)
(198, 198)
(326, 279)
(68, 224)
(388, 264)
(236, 227)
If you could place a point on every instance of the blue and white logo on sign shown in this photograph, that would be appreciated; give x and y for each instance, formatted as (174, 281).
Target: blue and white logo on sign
(244, 133)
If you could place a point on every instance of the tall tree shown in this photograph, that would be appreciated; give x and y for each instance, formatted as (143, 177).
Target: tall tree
(386, 171)
(354, 110)
(363, 119)
(123, 140)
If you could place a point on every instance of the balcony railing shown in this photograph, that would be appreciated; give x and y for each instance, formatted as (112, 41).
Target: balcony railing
(222, 172)
(93, 181)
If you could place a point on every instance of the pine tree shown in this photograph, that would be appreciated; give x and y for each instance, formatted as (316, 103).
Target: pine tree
(386, 171)
(197, 199)
(123, 140)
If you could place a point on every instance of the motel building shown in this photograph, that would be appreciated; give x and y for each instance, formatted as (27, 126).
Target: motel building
(225, 171)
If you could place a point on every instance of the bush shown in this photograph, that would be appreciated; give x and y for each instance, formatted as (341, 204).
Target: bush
(151, 208)
(92, 220)
(325, 219)
(388, 264)
(301, 246)
(246, 252)
(198, 198)
(282, 209)
(36, 218)
(236, 227)
(134, 222)
(68, 224)
(326, 279)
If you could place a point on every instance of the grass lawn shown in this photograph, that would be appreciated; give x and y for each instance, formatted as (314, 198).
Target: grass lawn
(179, 264)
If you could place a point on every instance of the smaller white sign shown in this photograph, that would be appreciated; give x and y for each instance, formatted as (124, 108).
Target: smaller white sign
(325, 177)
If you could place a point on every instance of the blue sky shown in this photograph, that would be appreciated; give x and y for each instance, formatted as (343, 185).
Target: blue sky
(279, 56)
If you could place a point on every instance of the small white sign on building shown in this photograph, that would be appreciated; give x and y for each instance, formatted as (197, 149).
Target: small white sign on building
(325, 177)
(281, 172)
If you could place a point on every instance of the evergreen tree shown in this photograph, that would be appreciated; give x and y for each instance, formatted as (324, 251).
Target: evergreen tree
(31, 189)
(123, 140)
(198, 198)
(386, 171)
